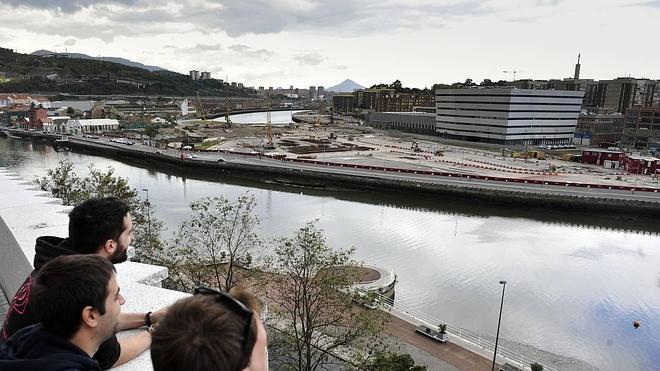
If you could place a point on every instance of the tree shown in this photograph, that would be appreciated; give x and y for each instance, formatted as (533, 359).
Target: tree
(151, 131)
(312, 294)
(394, 362)
(212, 246)
(536, 367)
(63, 182)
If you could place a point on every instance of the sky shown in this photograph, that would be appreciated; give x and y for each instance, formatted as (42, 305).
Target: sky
(322, 42)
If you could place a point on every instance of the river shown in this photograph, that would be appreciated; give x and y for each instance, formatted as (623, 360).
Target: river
(276, 117)
(575, 282)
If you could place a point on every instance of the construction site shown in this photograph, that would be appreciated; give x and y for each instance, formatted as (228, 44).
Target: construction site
(345, 140)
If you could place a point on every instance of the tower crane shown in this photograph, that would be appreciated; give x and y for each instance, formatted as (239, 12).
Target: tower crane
(201, 109)
(269, 128)
(227, 111)
(514, 72)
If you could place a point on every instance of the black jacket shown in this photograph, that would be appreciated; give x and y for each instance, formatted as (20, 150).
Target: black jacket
(33, 348)
(20, 313)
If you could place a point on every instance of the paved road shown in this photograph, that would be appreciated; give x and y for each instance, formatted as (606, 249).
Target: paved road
(495, 185)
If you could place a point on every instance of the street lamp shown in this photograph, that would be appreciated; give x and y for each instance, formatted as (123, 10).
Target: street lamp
(497, 336)
(148, 215)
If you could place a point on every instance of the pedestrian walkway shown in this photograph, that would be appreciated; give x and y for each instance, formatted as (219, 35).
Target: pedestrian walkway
(448, 356)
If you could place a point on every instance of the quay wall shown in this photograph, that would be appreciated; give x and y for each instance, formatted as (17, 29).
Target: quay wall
(393, 185)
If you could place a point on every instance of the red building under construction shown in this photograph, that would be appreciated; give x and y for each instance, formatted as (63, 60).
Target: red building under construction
(603, 157)
(641, 165)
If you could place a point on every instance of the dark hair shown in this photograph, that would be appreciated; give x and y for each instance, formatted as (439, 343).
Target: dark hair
(65, 286)
(95, 221)
(201, 333)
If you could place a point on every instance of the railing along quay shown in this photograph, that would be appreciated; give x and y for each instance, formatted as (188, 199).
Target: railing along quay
(418, 317)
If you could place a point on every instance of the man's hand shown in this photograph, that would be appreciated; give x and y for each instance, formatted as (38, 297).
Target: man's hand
(129, 321)
(158, 315)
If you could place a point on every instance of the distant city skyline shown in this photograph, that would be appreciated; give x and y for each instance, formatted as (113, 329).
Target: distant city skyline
(310, 42)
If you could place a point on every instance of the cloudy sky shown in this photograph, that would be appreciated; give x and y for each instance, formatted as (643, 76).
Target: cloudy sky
(322, 42)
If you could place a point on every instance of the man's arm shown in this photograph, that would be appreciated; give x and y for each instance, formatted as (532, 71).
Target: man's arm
(133, 346)
(129, 321)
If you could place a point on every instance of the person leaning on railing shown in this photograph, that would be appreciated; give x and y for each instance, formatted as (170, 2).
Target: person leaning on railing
(98, 226)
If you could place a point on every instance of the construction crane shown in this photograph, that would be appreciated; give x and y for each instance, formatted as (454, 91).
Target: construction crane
(227, 111)
(269, 128)
(514, 72)
(201, 109)
(318, 119)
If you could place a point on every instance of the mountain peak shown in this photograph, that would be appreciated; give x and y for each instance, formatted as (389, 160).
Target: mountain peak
(346, 86)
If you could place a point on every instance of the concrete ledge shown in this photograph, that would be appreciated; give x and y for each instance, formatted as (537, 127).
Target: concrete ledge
(26, 213)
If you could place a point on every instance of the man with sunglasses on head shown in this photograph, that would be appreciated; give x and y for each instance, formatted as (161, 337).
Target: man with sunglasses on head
(211, 330)
(78, 302)
(100, 226)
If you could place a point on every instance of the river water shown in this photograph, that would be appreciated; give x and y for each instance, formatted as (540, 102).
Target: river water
(276, 117)
(575, 283)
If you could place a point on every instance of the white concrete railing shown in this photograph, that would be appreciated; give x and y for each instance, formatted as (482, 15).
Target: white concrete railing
(27, 213)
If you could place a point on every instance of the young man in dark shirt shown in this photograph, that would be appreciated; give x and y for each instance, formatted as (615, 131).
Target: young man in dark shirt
(97, 226)
(78, 302)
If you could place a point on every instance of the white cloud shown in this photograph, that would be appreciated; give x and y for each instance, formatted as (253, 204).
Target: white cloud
(311, 59)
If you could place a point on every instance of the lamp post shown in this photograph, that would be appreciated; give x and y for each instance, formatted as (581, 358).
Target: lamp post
(148, 215)
(497, 336)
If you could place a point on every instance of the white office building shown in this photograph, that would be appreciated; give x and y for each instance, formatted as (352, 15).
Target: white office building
(76, 127)
(508, 116)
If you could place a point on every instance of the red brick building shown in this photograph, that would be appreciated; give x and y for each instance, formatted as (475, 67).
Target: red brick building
(35, 120)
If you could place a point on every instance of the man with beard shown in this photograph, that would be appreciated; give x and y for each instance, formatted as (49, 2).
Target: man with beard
(101, 226)
(78, 302)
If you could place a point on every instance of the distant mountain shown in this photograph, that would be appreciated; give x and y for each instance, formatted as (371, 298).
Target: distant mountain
(123, 61)
(347, 86)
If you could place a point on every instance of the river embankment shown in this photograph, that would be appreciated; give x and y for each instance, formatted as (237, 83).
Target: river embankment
(572, 196)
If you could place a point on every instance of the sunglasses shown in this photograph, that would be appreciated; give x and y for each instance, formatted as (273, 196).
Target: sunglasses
(237, 307)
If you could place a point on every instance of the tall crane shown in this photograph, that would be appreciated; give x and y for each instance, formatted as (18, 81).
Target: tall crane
(201, 109)
(269, 128)
(227, 111)
(514, 72)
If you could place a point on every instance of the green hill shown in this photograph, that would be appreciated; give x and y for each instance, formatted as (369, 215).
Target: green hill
(59, 74)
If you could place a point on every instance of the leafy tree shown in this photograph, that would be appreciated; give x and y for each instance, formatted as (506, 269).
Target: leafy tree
(312, 296)
(212, 246)
(151, 131)
(394, 362)
(536, 367)
(63, 182)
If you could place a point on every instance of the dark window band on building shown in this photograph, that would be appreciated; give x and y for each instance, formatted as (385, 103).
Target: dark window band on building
(506, 118)
(509, 111)
(510, 103)
(507, 133)
(511, 96)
